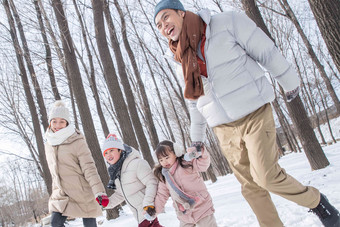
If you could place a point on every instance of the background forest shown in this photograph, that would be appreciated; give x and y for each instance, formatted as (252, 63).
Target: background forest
(105, 59)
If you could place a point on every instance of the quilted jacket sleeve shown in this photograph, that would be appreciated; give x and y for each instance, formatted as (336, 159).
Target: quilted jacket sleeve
(162, 197)
(146, 176)
(198, 122)
(89, 168)
(262, 49)
(202, 164)
(115, 199)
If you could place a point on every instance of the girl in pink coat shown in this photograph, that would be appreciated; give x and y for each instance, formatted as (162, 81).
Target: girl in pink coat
(181, 180)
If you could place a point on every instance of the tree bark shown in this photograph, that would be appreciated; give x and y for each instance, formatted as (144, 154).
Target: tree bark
(310, 144)
(146, 106)
(170, 134)
(327, 16)
(61, 60)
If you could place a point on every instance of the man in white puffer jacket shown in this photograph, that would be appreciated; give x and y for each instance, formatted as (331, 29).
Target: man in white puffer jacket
(228, 90)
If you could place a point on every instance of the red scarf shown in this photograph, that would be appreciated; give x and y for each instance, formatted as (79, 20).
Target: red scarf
(185, 53)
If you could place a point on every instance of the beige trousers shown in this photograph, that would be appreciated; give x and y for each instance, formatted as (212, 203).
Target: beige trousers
(208, 221)
(249, 144)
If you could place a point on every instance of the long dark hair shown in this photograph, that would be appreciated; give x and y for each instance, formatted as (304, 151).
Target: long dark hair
(163, 149)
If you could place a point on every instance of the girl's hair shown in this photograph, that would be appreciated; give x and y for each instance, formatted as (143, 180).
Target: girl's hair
(162, 150)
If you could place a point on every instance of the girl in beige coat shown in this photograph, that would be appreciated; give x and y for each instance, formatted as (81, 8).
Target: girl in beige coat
(75, 180)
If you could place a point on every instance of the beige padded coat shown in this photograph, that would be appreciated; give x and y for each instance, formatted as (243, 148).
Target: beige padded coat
(75, 179)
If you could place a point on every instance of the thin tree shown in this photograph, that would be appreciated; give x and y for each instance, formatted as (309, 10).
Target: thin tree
(152, 74)
(27, 56)
(91, 75)
(62, 60)
(29, 98)
(48, 55)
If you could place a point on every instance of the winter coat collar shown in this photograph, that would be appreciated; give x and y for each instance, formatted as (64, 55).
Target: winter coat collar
(133, 155)
(205, 14)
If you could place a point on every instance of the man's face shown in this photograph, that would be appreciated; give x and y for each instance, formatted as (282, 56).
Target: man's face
(169, 23)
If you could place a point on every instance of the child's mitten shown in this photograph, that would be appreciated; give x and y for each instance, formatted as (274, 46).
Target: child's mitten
(102, 199)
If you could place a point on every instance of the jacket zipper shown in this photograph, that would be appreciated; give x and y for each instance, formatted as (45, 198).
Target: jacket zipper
(121, 186)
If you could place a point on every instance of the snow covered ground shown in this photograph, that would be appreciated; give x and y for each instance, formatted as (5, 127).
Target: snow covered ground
(233, 211)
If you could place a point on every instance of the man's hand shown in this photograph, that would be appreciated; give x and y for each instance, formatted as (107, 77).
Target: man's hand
(102, 199)
(290, 95)
(194, 151)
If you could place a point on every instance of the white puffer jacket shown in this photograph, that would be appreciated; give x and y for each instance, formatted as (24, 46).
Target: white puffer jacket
(137, 185)
(236, 84)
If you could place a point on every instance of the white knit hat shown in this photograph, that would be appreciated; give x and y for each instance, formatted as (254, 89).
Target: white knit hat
(112, 141)
(58, 109)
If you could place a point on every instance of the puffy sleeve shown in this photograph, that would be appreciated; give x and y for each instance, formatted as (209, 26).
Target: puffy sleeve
(162, 197)
(201, 164)
(115, 199)
(146, 176)
(198, 122)
(89, 168)
(262, 49)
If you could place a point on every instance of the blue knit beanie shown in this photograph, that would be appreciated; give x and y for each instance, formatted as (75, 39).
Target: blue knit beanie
(167, 4)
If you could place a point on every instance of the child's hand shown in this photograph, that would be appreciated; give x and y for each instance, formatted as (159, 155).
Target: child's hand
(149, 213)
(102, 199)
(150, 210)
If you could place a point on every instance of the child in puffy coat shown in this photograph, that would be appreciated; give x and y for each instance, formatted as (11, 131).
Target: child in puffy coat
(181, 180)
(132, 179)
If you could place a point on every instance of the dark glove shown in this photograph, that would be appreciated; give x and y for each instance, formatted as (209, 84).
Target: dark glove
(103, 200)
(150, 210)
(290, 95)
(198, 145)
(195, 154)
